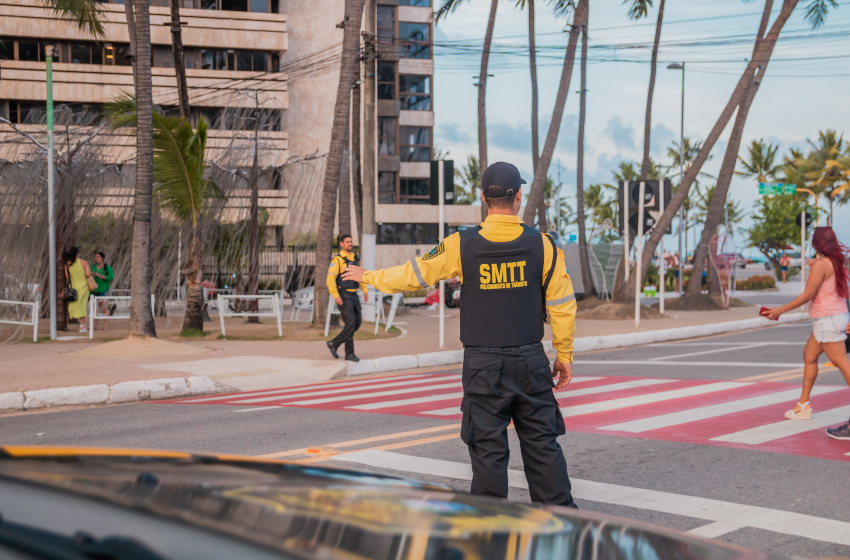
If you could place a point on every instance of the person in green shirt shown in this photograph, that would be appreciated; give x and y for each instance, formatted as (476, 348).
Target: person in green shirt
(103, 275)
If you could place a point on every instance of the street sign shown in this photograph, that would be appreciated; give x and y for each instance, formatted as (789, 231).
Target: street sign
(809, 219)
(652, 203)
(777, 188)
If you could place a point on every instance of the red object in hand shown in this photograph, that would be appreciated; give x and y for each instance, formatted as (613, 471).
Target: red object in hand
(764, 312)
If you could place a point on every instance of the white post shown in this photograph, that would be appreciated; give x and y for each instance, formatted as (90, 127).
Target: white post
(368, 249)
(278, 313)
(442, 285)
(92, 311)
(35, 313)
(639, 253)
(51, 197)
(663, 268)
(331, 303)
(625, 210)
(221, 313)
(179, 260)
(803, 250)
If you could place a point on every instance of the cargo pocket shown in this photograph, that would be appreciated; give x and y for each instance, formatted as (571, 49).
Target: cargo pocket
(482, 376)
(539, 374)
(560, 427)
(466, 423)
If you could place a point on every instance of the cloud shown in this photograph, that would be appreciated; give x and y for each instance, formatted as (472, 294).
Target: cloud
(455, 133)
(515, 138)
(621, 133)
(661, 137)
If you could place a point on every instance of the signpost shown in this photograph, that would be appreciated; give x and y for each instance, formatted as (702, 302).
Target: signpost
(777, 188)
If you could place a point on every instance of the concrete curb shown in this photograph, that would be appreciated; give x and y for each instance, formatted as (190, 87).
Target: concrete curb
(582, 344)
(128, 391)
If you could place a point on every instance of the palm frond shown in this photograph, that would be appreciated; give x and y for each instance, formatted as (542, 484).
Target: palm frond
(448, 7)
(563, 8)
(638, 9)
(121, 111)
(817, 10)
(178, 165)
(84, 14)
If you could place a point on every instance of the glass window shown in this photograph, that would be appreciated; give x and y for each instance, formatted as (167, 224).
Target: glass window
(28, 50)
(415, 39)
(213, 59)
(415, 93)
(407, 234)
(243, 61)
(417, 3)
(260, 6)
(96, 54)
(192, 58)
(415, 136)
(414, 84)
(386, 24)
(415, 191)
(412, 153)
(80, 53)
(7, 49)
(123, 56)
(261, 62)
(163, 57)
(415, 102)
(386, 136)
(386, 80)
(235, 5)
(387, 187)
(208, 5)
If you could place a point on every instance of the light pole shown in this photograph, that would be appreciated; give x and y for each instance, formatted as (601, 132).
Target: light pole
(681, 66)
(51, 198)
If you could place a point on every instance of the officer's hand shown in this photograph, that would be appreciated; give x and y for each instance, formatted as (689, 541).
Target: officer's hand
(338, 301)
(366, 296)
(565, 371)
(353, 272)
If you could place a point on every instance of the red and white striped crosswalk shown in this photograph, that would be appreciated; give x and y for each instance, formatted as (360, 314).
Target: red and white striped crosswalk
(746, 415)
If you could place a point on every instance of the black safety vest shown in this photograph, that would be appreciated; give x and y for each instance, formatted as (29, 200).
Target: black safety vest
(502, 291)
(347, 284)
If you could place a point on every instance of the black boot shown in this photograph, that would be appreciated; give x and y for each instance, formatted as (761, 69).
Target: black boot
(352, 358)
(332, 348)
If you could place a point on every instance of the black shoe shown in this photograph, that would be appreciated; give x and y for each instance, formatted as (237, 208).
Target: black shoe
(332, 348)
(352, 358)
(838, 432)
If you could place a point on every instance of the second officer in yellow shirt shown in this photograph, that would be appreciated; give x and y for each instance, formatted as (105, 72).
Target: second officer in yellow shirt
(345, 295)
(511, 275)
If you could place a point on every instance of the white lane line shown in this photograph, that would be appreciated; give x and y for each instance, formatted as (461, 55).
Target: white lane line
(445, 397)
(612, 387)
(335, 391)
(716, 529)
(258, 408)
(687, 363)
(712, 410)
(778, 521)
(658, 344)
(302, 388)
(716, 350)
(787, 428)
(660, 396)
(378, 394)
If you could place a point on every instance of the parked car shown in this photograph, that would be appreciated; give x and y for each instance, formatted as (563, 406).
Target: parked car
(111, 504)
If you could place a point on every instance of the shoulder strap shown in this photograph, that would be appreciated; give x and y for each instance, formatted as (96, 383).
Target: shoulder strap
(552, 268)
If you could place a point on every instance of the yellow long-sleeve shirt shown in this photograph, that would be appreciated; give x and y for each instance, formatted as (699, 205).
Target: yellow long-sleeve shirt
(444, 262)
(335, 269)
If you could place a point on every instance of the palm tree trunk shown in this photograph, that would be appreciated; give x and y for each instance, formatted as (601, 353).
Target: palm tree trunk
(535, 120)
(254, 234)
(647, 123)
(194, 317)
(347, 68)
(355, 156)
(762, 51)
(141, 314)
(535, 195)
(482, 90)
(586, 278)
(344, 196)
(179, 59)
(131, 31)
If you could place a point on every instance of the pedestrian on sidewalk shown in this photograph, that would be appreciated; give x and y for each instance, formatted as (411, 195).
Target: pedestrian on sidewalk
(78, 275)
(103, 275)
(784, 264)
(826, 293)
(511, 275)
(345, 295)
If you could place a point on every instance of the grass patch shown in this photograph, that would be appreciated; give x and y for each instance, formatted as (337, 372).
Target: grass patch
(193, 333)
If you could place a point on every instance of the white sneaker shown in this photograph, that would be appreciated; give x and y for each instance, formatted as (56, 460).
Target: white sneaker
(83, 328)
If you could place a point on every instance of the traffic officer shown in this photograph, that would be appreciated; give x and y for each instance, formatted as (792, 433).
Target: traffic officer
(511, 275)
(344, 293)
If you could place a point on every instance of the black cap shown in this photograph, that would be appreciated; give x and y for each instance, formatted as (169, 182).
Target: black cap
(501, 179)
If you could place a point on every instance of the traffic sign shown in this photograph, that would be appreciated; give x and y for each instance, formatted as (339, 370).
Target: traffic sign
(809, 219)
(777, 188)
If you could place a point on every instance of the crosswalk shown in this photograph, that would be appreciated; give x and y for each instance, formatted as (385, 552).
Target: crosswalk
(741, 414)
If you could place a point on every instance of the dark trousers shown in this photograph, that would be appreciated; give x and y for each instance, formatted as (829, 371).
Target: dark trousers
(514, 383)
(351, 316)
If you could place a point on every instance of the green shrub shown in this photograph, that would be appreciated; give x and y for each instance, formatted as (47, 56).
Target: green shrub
(763, 282)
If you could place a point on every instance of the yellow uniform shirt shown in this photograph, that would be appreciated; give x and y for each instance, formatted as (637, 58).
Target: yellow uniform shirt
(335, 269)
(444, 262)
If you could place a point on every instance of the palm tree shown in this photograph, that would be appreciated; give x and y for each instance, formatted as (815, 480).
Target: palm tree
(826, 169)
(449, 6)
(347, 72)
(179, 59)
(535, 195)
(468, 181)
(598, 207)
(761, 162)
(639, 9)
(762, 51)
(85, 15)
(584, 259)
(559, 211)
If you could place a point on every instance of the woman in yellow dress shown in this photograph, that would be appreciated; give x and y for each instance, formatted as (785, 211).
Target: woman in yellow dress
(77, 272)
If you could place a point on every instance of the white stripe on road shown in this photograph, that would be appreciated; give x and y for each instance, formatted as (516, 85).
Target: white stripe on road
(733, 514)
(334, 391)
(302, 388)
(258, 408)
(612, 387)
(716, 350)
(659, 344)
(711, 411)
(779, 430)
(637, 400)
(378, 394)
(443, 397)
(687, 363)
(716, 529)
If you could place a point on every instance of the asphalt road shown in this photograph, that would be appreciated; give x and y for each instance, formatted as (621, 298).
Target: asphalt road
(687, 435)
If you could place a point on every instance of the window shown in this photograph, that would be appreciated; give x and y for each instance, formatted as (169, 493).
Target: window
(7, 49)
(415, 40)
(415, 143)
(386, 24)
(386, 80)
(123, 57)
(417, 3)
(407, 234)
(387, 187)
(213, 59)
(415, 93)
(415, 191)
(234, 5)
(28, 50)
(162, 57)
(386, 136)
(84, 53)
(21, 112)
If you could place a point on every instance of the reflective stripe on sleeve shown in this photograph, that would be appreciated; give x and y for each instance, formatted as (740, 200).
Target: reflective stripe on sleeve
(418, 274)
(553, 303)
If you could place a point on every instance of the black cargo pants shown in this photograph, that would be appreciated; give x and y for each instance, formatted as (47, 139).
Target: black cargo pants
(513, 383)
(351, 316)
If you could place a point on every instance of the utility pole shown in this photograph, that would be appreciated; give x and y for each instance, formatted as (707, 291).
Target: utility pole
(369, 165)
(51, 194)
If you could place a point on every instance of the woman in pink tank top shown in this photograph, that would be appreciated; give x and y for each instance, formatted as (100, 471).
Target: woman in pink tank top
(826, 293)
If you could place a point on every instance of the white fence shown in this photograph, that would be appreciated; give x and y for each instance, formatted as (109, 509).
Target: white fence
(18, 319)
(275, 312)
(94, 309)
(334, 310)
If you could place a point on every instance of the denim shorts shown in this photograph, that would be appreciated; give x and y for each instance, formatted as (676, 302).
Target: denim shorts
(831, 328)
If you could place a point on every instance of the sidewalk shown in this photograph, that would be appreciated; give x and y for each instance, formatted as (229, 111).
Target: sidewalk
(250, 365)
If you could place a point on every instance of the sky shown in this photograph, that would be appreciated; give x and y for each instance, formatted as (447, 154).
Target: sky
(804, 91)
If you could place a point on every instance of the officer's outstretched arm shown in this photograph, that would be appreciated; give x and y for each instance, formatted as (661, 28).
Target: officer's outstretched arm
(441, 263)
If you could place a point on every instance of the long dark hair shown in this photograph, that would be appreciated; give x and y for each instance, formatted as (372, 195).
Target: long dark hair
(71, 255)
(825, 243)
(103, 256)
